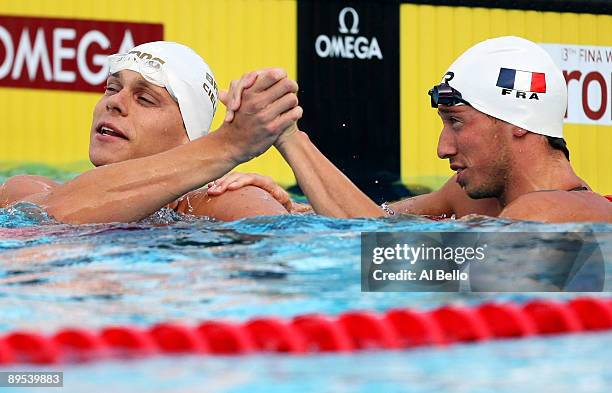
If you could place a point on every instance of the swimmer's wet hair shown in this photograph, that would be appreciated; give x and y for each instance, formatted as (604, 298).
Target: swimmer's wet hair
(558, 144)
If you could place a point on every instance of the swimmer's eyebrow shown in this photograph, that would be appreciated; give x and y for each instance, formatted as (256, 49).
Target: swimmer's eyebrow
(140, 82)
(158, 92)
(451, 109)
(143, 84)
(146, 85)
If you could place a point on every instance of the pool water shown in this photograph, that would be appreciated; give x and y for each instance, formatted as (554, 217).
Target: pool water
(188, 269)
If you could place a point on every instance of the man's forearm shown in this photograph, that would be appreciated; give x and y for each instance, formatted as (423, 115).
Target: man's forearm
(328, 190)
(131, 190)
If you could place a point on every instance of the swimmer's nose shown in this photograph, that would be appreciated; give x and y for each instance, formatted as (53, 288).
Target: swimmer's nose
(447, 146)
(117, 102)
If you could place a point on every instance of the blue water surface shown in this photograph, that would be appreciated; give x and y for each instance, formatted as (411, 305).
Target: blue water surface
(174, 267)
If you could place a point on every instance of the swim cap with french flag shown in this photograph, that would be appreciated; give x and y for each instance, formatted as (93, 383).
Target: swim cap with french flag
(183, 73)
(515, 80)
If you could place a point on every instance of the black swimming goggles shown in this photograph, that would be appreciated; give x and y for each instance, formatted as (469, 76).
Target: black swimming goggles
(444, 94)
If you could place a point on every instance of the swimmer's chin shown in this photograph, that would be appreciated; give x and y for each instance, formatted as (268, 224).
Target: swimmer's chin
(479, 193)
(97, 161)
(100, 155)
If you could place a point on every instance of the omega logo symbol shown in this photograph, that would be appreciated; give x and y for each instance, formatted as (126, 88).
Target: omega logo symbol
(347, 45)
(342, 21)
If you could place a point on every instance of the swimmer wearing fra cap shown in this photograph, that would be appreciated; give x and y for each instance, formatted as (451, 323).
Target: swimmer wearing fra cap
(502, 105)
(149, 142)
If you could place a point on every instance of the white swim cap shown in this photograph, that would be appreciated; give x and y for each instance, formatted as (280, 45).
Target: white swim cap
(514, 80)
(182, 72)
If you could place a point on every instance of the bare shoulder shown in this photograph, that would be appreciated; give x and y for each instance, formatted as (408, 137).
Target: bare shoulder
(560, 206)
(248, 201)
(24, 187)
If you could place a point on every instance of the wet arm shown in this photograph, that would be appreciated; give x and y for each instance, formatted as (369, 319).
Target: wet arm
(131, 190)
(447, 201)
(426, 204)
(328, 190)
(435, 203)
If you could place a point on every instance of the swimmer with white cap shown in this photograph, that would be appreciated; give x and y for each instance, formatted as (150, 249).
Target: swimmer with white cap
(502, 105)
(150, 144)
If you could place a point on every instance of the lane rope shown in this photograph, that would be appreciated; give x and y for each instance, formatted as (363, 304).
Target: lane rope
(313, 333)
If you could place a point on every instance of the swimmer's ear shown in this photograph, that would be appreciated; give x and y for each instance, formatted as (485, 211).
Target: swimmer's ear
(518, 132)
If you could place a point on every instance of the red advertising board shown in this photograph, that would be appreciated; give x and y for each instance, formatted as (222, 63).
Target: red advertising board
(65, 54)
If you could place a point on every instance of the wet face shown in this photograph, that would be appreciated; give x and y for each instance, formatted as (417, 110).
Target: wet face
(477, 147)
(134, 119)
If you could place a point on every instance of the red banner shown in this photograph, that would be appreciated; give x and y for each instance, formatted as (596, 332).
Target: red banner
(65, 54)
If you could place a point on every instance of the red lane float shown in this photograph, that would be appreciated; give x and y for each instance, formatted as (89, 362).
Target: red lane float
(226, 338)
(313, 333)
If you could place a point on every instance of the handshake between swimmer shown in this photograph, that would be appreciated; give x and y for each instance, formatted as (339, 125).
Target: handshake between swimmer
(261, 106)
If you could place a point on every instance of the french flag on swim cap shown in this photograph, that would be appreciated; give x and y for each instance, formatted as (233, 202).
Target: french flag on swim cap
(522, 80)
